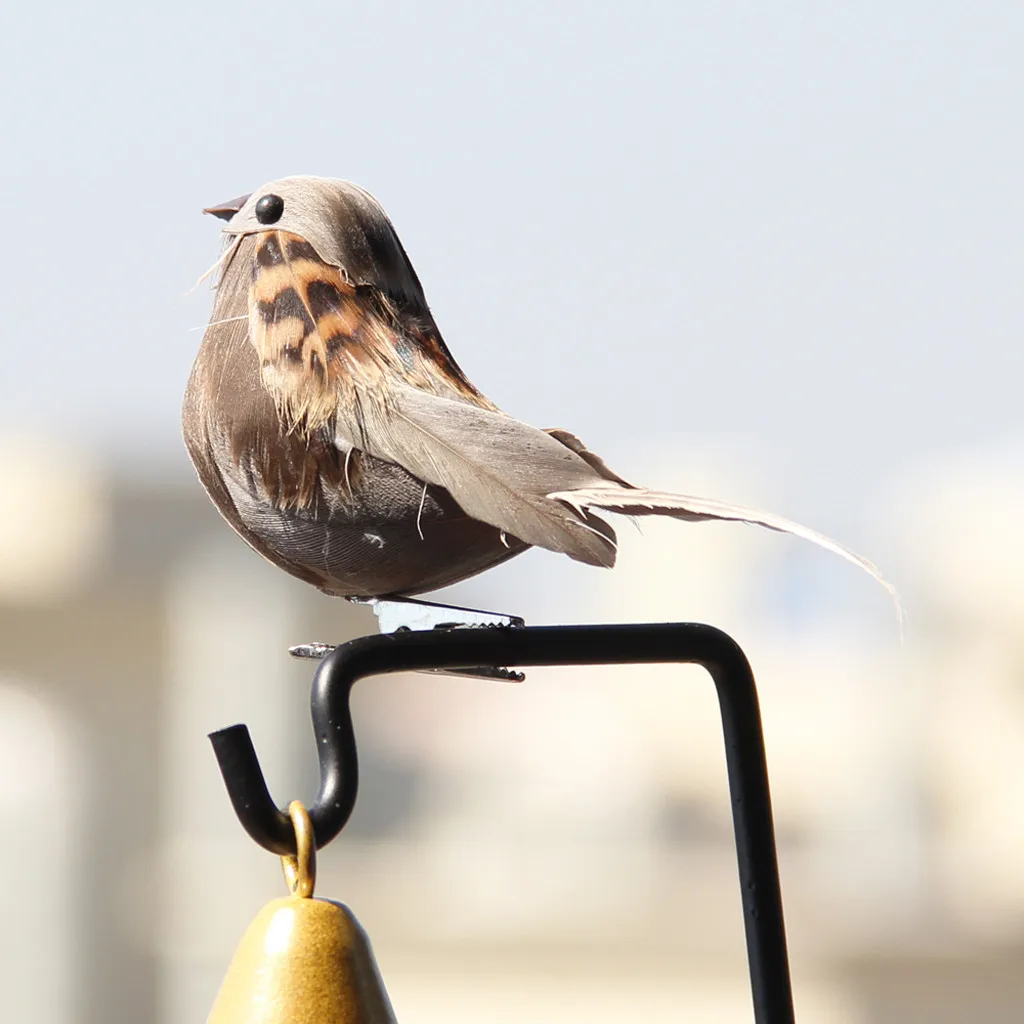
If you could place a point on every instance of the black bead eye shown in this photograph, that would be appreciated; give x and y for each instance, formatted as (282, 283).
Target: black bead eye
(269, 209)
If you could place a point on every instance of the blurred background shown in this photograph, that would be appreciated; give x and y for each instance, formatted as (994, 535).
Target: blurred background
(768, 253)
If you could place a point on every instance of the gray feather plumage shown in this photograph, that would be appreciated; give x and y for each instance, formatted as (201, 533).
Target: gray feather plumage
(498, 469)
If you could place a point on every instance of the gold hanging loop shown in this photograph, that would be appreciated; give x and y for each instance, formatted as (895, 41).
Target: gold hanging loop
(300, 870)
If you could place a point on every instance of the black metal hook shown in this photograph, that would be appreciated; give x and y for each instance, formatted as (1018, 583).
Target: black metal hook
(544, 645)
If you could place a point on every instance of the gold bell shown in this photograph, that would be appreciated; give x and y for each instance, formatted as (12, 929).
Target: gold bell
(303, 960)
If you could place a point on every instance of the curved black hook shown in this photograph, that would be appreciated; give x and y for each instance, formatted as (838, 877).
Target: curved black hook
(543, 645)
(267, 824)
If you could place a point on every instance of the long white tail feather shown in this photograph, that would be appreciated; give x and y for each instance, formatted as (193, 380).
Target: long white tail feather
(639, 501)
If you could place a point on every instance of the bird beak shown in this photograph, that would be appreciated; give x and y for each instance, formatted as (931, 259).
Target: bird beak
(227, 210)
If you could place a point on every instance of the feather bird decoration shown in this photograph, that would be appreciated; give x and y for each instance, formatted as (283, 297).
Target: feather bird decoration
(335, 432)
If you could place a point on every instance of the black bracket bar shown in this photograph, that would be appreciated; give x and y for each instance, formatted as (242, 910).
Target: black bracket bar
(544, 645)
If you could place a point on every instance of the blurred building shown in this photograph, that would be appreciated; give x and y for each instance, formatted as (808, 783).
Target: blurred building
(554, 851)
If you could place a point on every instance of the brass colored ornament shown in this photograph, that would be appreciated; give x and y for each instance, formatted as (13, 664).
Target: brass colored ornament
(303, 960)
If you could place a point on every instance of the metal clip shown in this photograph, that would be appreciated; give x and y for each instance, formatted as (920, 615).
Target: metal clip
(401, 614)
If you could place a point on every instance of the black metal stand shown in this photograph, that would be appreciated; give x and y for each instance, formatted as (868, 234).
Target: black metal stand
(544, 645)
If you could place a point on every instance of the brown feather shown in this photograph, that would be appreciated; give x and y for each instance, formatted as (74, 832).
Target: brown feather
(572, 442)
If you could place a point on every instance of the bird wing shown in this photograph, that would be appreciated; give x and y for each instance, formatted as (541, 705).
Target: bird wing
(498, 469)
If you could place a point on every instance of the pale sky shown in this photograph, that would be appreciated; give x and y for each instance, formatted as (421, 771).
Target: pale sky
(793, 229)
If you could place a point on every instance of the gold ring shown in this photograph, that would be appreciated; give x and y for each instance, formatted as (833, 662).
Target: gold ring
(300, 870)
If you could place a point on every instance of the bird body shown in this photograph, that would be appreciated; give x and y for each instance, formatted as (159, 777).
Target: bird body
(334, 431)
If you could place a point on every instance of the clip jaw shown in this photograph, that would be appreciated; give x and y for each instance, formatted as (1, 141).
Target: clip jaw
(403, 614)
